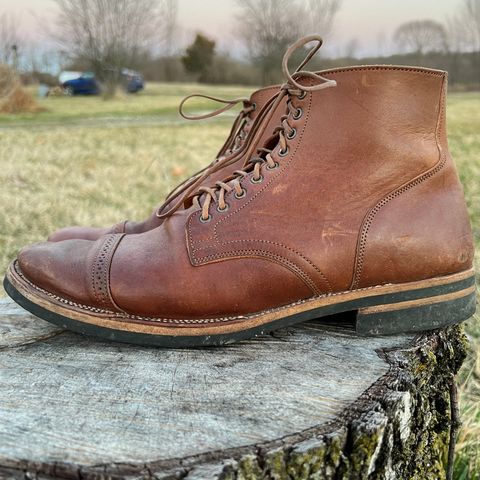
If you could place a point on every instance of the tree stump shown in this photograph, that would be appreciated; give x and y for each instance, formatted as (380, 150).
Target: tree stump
(314, 401)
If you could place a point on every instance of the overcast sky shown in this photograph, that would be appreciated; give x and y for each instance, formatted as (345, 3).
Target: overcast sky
(371, 22)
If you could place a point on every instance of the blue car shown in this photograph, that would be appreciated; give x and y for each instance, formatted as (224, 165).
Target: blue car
(80, 83)
(77, 83)
(133, 81)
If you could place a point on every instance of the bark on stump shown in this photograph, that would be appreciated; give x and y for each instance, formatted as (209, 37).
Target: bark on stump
(314, 401)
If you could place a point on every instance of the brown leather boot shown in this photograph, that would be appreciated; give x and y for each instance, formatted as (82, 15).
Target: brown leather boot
(229, 158)
(355, 207)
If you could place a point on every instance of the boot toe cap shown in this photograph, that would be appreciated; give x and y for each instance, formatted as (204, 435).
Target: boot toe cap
(58, 268)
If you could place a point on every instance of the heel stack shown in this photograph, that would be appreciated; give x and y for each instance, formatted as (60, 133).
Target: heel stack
(417, 315)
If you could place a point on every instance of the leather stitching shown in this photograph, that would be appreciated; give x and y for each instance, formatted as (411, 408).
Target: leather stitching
(368, 221)
(269, 255)
(282, 171)
(100, 271)
(278, 245)
(362, 238)
(363, 68)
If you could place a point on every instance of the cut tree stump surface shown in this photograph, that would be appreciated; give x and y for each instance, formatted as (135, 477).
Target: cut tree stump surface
(314, 399)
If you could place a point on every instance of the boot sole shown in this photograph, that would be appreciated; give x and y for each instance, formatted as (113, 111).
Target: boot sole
(381, 310)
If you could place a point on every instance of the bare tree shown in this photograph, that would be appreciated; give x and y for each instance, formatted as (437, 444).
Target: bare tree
(421, 36)
(318, 16)
(471, 20)
(169, 36)
(268, 27)
(170, 25)
(109, 35)
(464, 28)
(9, 40)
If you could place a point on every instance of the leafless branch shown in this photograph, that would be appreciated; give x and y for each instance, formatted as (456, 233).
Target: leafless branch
(421, 36)
(268, 27)
(109, 35)
(465, 26)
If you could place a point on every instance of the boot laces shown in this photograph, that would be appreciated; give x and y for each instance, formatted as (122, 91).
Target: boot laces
(284, 132)
(234, 142)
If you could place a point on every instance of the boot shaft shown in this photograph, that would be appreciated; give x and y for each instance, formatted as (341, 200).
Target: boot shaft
(374, 141)
(378, 122)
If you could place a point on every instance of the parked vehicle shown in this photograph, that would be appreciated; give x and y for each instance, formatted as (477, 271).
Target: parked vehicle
(77, 83)
(85, 83)
(133, 81)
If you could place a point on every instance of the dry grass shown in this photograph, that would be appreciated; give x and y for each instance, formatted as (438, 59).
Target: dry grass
(13, 97)
(91, 162)
(92, 176)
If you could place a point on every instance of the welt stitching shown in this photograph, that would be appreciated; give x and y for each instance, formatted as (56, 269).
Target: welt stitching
(399, 191)
(126, 316)
(264, 253)
(283, 246)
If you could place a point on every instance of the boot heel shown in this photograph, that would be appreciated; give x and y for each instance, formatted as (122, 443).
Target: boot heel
(417, 315)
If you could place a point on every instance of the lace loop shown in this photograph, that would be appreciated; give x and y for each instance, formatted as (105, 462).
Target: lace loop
(248, 106)
(320, 82)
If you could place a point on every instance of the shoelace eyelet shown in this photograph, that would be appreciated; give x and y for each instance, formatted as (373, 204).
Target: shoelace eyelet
(254, 106)
(274, 167)
(224, 209)
(292, 134)
(283, 153)
(256, 180)
(302, 95)
(297, 114)
(205, 220)
(241, 195)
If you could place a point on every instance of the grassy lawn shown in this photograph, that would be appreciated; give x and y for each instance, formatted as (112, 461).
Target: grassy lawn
(87, 161)
(463, 118)
(158, 99)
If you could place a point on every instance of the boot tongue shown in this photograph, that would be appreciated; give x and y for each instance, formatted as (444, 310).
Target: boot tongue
(257, 101)
(239, 139)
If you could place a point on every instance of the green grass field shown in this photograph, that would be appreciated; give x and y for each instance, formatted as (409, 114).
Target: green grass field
(88, 161)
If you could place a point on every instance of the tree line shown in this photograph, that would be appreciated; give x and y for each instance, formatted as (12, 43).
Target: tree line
(105, 36)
